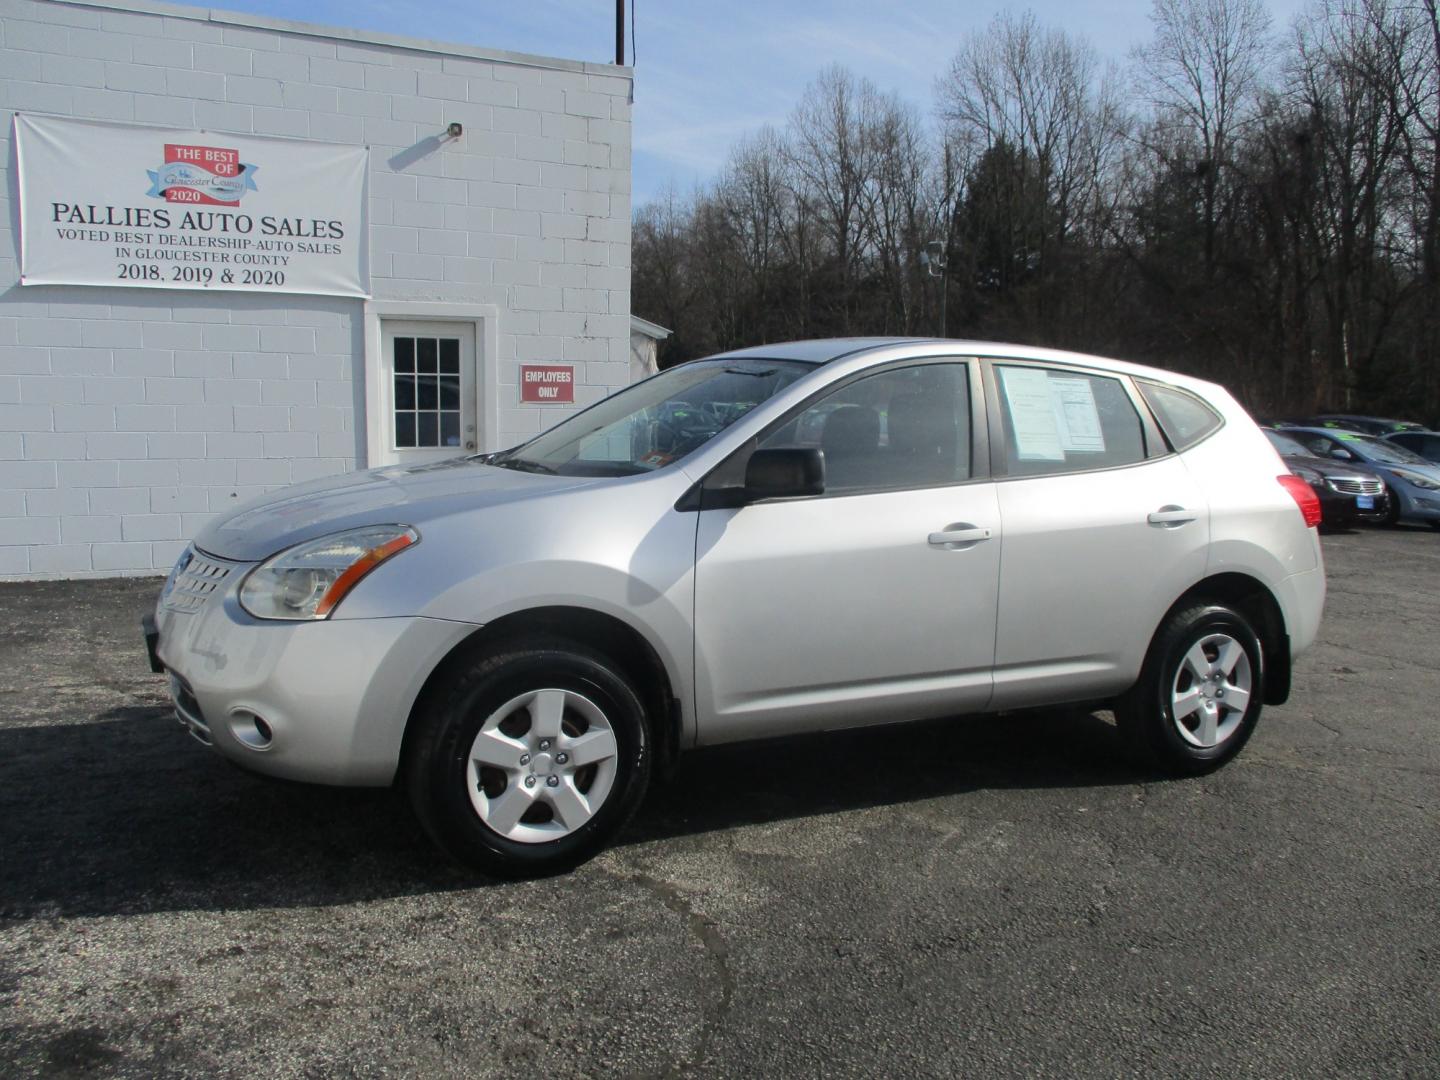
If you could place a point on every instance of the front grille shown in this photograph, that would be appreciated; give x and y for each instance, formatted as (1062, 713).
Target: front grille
(1358, 487)
(193, 582)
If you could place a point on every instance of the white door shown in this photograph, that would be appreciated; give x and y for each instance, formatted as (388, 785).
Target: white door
(431, 405)
(1100, 536)
(874, 601)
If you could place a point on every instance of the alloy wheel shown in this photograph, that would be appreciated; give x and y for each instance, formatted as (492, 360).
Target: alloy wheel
(1211, 690)
(542, 765)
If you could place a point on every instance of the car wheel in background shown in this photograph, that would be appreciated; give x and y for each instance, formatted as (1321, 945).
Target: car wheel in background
(1200, 692)
(531, 760)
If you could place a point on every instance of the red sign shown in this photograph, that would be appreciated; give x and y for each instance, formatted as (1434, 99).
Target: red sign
(547, 384)
(202, 174)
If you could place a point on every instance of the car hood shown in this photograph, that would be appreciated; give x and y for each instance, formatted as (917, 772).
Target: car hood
(405, 495)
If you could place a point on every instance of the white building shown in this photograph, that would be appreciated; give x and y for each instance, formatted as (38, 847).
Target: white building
(645, 338)
(133, 408)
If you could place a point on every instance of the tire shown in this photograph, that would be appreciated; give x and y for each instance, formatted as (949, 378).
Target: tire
(531, 760)
(1204, 656)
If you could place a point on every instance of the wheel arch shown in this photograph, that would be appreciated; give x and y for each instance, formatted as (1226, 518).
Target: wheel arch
(606, 634)
(1256, 602)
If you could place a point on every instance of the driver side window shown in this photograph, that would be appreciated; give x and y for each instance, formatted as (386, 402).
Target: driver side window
(904, 428)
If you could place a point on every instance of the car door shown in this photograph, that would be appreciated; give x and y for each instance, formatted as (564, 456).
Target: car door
(872, 602)
(1104, 529)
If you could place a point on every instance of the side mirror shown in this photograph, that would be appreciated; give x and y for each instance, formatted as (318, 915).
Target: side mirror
(1341, 454)
(785, 472)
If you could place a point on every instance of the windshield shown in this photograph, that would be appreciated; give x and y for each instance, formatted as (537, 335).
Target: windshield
(1386, 453)
(1285, 445)
(653, 423)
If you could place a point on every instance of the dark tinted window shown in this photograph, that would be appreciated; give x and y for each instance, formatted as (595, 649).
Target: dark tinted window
(1285, 445)
(1184, 418)
(1427, 446)
(1065, 421)
(903, 428)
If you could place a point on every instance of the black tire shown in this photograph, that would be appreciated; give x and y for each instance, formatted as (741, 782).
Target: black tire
(1146, 717)
(437, 770)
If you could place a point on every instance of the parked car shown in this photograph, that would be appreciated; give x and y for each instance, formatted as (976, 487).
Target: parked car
(519, 637)
(1412, 482)
(1348, 492)
(1368, 425)
(1425, 444)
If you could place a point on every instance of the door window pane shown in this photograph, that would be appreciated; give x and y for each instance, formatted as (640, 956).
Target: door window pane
(904, 428)
(427, 392)
(1066, 421)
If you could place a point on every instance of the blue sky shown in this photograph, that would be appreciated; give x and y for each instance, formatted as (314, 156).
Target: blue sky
(707, 73)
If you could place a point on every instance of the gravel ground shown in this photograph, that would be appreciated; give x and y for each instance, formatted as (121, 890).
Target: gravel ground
(971, 898)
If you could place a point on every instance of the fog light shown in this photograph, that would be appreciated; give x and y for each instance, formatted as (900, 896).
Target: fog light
(250, 729)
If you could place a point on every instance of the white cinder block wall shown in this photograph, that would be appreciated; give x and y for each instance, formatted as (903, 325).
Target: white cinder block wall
(129, 416)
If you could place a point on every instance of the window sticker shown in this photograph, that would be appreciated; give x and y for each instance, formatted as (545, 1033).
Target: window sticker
(1077, 417)
(1032, 414)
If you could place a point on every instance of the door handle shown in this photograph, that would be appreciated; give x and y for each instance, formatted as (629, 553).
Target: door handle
(960, 535)
(1172, 516)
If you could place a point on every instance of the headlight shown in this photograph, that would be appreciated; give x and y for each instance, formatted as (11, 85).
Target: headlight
(1310, 476)
(308, 580)
(1416, 479)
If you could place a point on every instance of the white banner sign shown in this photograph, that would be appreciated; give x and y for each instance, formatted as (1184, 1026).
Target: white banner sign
(117, 204)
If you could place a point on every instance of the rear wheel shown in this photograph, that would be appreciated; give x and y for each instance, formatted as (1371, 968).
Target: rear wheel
(531, 760)
(1200, 693)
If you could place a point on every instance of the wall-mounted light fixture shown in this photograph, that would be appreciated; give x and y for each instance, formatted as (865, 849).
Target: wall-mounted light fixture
(455, 131)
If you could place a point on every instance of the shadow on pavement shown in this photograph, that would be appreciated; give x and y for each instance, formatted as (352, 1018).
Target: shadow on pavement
(125, 813)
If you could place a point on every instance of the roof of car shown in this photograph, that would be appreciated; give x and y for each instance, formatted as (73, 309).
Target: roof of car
(826, 350)
(1343, 434)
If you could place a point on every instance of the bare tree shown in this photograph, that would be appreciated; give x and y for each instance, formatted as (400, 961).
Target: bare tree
(1039, 94)
(1203, 71)
(832, 160)
(1348, 77)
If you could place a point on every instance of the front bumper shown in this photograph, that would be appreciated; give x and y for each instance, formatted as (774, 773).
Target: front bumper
(325, 702)
(1416, 503)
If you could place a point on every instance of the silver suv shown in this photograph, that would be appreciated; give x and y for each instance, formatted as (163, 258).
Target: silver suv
(790, 538)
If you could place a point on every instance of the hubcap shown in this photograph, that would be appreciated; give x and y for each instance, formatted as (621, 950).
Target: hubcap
(1211, 691)
(542, 765)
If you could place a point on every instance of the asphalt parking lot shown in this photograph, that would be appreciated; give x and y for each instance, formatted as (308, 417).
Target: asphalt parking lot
(970, 898)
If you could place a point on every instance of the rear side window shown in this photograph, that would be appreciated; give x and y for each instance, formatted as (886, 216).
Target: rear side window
(1058, 421)
(1184, 418)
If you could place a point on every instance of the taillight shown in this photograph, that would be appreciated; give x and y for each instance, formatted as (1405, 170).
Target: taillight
(1305, 498)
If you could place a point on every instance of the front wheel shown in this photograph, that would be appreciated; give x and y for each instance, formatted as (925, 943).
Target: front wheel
(531, 760)
(1199, 694)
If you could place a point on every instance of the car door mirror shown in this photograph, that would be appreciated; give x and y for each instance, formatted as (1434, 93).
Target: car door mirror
(785, 472)
(1341, 454)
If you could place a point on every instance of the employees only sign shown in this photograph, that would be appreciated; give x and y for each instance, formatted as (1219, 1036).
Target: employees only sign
(547, 384)
(118, 204)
